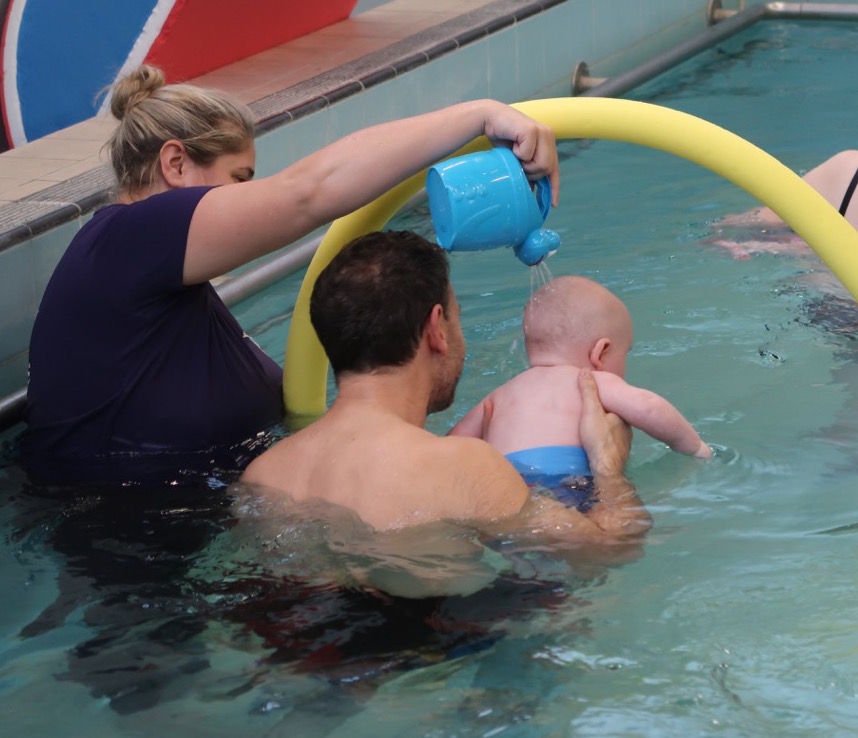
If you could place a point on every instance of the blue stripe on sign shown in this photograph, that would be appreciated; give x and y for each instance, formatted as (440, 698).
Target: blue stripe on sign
(68, 52)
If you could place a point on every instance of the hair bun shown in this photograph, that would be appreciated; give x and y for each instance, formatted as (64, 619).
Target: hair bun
(134, 88)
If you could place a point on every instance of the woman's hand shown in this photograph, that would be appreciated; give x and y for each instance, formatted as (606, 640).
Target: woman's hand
(532, 142)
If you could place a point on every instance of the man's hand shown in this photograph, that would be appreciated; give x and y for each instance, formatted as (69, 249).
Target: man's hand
(605, 437)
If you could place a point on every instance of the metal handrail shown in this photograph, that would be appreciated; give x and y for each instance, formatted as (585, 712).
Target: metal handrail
(813, 11)
(715, 12)
(12, 408)
(615, 86)
(725, 24)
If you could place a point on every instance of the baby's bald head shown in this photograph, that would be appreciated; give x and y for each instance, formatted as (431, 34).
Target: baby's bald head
(564, 319)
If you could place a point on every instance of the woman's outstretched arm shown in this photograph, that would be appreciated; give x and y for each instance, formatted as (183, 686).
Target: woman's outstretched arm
(236, 223)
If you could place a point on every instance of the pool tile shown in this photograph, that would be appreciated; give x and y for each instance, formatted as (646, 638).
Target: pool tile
(504, 80)
(18, 296)
(13, 372)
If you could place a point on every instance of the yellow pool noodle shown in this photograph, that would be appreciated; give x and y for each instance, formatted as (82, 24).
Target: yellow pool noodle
(687, 136)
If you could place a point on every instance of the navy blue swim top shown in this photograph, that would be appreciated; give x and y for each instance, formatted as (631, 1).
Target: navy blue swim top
(125, 358)
(850, 190)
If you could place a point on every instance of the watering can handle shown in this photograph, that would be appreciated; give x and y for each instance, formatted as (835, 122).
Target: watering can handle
(542, 190)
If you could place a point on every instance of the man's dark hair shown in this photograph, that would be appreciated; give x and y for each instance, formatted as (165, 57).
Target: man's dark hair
(369, 305)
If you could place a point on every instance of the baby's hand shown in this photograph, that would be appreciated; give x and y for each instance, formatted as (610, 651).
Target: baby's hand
(703, 452)
(488, 411)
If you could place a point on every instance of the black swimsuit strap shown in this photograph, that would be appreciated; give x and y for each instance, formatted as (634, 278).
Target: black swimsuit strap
(849, 192)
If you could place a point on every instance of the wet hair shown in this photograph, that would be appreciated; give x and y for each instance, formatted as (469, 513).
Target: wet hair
(569, 313)
(150, 112)
(370, 304)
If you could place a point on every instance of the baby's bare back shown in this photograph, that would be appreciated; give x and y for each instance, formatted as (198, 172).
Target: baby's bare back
(539, 407)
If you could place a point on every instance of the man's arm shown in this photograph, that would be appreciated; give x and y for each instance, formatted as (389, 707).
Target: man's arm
(607, 440)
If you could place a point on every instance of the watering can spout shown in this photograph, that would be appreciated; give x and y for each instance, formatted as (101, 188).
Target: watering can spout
(539, 244)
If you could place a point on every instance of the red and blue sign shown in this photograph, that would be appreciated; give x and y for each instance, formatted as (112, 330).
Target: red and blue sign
(59, 57)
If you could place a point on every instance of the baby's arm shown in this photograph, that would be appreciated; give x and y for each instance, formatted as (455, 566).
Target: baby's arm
(650, 412)
(476, 421)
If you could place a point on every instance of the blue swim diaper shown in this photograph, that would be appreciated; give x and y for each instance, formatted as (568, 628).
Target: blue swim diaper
(562, 470)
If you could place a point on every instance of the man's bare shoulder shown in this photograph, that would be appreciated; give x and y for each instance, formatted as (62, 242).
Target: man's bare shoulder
(401, 467)
(485, 483)
(467, 448)
(280, 461)
(263, 468)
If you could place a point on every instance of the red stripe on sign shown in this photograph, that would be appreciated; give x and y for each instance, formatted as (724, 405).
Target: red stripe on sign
(201, 35)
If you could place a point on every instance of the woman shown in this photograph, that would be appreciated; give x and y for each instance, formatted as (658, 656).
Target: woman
(132, 352)
(836, 179)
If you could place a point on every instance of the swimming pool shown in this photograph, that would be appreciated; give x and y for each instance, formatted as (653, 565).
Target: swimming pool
(164, 613)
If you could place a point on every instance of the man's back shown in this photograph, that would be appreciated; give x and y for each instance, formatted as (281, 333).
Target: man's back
(388, 471)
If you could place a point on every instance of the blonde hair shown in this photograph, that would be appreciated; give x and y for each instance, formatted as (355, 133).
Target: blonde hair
(569, 314)
(208, 123)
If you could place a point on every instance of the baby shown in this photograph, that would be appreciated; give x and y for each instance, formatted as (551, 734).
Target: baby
(571, 323)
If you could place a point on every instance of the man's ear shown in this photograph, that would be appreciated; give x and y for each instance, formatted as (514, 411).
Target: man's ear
(597, 353)
(173, 161)
(435, 330)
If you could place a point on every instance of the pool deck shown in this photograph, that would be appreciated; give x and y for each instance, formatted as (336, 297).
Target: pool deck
(64, 175)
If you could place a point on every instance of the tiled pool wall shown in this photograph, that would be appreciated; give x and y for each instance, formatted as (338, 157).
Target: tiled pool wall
(530, 58)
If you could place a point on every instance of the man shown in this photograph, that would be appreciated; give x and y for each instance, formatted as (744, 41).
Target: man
(385, 312)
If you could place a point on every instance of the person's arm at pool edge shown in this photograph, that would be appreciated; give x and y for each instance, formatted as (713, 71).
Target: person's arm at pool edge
(236, 223)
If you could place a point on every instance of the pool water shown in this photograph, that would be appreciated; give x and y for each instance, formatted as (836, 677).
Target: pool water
(181, 611)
